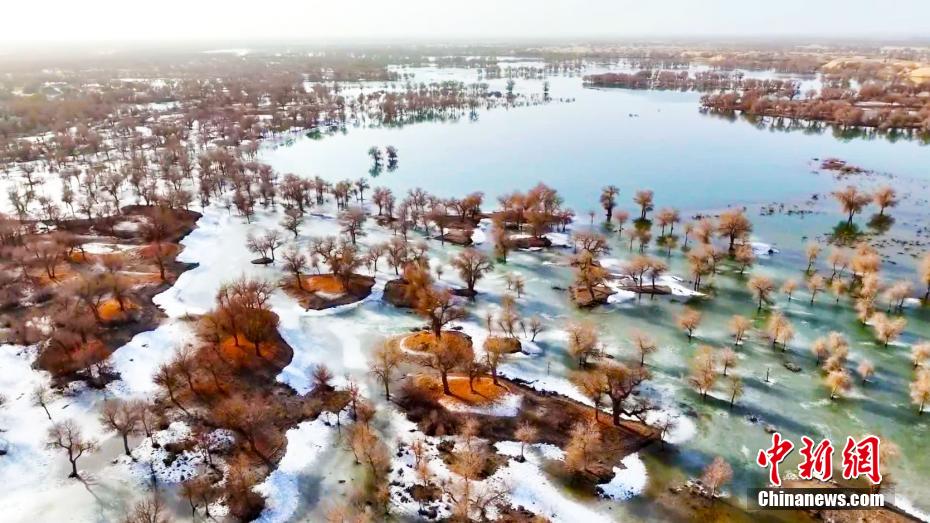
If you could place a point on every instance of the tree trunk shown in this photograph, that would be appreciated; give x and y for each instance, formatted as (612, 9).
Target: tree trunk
(126, 443)
(615, 412)
(445, 383)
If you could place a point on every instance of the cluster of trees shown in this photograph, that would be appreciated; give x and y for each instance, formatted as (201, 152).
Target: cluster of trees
(535, 212)
(699, 81)
(227, 98)
(883, 106)
(732, 226)
(71, 291)
(605, 380)
(854, 273)
(378, 158)
(853, 200)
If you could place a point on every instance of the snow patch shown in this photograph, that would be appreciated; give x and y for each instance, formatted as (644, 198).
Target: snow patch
(627, 482)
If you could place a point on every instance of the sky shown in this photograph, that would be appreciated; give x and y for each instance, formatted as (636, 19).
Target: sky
(62, 21)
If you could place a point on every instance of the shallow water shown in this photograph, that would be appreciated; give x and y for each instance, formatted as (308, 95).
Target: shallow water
(660, 141)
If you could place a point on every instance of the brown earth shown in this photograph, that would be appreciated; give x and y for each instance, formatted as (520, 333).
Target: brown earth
(358, 288)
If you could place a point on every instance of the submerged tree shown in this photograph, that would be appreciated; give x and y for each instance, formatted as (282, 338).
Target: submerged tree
(812, 251)
(644, 344)
(688, 320)
(122, 417)
(852, 201)
(885, 197)
(920, 352)
(716, 474)
(762, 287)
(472, 265)
(733, 225)
(887, 329)
(644, 199)
(384, 363)
(837, 381)
(920, 389)
(739, 325)
(735, 389)
(609, 200)
(583, 341)
(780, 330)
(704, 372)
(925, 276)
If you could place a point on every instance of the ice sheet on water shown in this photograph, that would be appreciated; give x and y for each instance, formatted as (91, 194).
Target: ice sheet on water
(305, 443)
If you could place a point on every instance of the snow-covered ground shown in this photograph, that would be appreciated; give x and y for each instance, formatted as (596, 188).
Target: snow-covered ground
(628, 481)
(340, 338)
(34, 477)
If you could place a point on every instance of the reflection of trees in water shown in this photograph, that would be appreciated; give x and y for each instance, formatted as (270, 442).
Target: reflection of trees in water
(846, 234)
(840, 132)
(880, 223)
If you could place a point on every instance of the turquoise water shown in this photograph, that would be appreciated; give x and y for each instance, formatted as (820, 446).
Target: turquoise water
(696, 162)
(577, 147)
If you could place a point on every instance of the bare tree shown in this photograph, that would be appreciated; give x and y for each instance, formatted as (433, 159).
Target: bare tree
(583, 342)
(384, 363)
(739, 325)
(609, 200)
(526, 434)
(733, 225)
(852, 201)
(716, 474)
(688, 320)
(885, 197)
(644, 344)
(583, 444)
(122, 417)
(40, 397)
(762, 287)
(448, 356)
(704, 370)
(295, 262)
(66, 435)
(150, 510)
(472, 265)
(352, 221)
